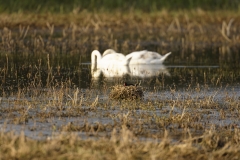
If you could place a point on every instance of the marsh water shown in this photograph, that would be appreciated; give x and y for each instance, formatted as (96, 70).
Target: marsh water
(212, 75)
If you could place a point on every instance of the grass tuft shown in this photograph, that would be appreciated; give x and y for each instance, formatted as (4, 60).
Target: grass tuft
(119, 92)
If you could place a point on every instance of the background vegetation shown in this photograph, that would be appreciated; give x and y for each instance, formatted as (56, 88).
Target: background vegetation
(65, 6)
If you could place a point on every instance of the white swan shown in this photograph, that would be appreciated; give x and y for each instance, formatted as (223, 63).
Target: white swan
(109, 58)
(111, 64)
(146, 57)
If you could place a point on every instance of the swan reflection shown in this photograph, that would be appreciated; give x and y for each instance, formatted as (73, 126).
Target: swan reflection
(119, 71)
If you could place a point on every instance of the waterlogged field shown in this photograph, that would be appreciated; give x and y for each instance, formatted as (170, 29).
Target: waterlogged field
(53, 104)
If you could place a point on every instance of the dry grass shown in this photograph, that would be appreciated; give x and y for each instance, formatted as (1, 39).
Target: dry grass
(175, 132)
(75, 123)
(192, 31)
(122, 145)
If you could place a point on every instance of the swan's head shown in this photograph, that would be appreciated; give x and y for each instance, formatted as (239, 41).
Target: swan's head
(108, 51)
(95, 52)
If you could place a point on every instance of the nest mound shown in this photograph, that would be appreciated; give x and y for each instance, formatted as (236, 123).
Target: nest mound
(126, 92)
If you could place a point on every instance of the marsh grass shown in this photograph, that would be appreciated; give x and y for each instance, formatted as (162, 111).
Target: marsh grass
(121, 145)
(194, 32)
(81, 123)
(75, 7)
(58, 119)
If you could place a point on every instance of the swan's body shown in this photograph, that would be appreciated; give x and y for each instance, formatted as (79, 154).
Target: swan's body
(110, 58)
(147, 70)
(108, 51)
(146, 57)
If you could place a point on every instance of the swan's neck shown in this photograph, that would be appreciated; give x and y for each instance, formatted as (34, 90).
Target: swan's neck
(95, 71)
(95, 54)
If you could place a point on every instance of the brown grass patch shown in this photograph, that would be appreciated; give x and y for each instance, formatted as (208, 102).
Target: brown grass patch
(126, 92)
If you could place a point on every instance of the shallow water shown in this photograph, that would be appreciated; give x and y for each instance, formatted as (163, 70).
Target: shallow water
(178, 79)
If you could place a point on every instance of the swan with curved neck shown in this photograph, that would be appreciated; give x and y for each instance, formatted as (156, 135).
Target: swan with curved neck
(146, 57)
(111, 64)
(110, 57)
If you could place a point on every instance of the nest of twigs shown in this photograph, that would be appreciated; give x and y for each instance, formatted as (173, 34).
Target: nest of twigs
(126, 92)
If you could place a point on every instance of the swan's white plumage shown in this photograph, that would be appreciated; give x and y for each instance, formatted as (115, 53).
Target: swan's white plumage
(111, 64)
(147, 70)
(146, 57)
(109, 58)
(108, 51)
